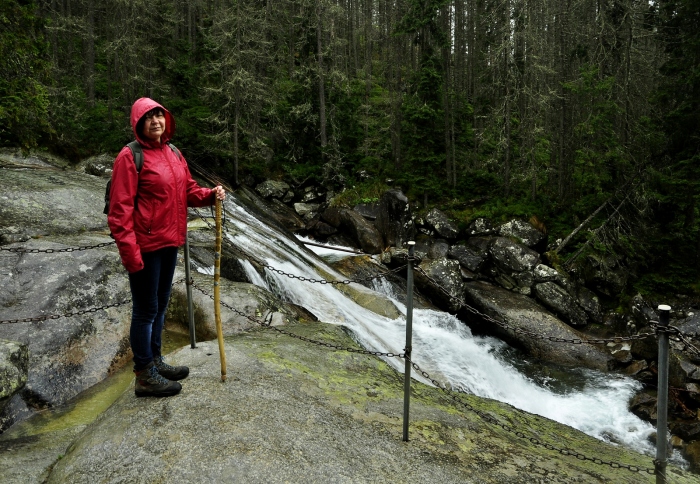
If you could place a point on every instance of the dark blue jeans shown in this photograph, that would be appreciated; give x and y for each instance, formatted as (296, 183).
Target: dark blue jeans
(150, 293)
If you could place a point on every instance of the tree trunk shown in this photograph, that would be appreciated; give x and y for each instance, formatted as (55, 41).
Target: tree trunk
(321, 80)
(90, 53)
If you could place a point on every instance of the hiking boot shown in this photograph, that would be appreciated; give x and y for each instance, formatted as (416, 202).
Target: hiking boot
(170, 372)
(150, 383)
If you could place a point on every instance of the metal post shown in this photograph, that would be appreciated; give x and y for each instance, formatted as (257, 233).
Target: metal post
(662, 399)
(409, 338)
(188, 285)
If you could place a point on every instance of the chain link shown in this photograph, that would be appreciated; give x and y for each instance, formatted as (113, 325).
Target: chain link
(325, 344)
(324, 281)
(66, 315)
(532, 334)
(73, 313)
(24, 250)
(452, 393)
(303, 278)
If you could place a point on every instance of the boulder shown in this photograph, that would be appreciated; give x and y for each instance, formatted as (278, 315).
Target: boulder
(396, 257)
(69, 354)
(288, 197)
(646, 348)
(422, 227)
(443, 283)
(643, 405)
(692, 454)
(306, 211)
(641, 311)
(432, 248)
(523, 231)
(605, 274)
(688, 430)
(621, 352)
(468, 257)
(272, 189)
(480, 244)
(442, 225)
(100, 165)
(362, 231)
(14, 365)
(690, 371)
(690, 324)
(394, 220)
(312, 194)
(510, 256)
(274, 211)
(438, 249)
(320, 229)
(636, 367)
(480, 226)
(558, 300)
(370, 211)
(589, 302)
(331, 215)
(533, 324)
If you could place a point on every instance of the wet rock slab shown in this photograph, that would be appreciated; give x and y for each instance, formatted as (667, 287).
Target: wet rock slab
(294, 412)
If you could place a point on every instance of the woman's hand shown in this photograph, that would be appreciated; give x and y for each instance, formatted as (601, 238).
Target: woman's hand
(219, 192)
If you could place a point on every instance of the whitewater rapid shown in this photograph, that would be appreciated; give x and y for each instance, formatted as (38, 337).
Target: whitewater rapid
(442, 345)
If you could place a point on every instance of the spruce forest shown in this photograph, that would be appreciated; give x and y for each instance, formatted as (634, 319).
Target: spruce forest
(582, 115)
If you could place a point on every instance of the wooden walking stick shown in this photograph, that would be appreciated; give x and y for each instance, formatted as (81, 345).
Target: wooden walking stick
(217, 291)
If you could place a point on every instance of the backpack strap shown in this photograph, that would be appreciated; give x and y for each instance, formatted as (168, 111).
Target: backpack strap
(137, 153)
(175, 150)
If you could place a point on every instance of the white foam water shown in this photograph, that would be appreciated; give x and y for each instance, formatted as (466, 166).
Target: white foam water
(442, 345)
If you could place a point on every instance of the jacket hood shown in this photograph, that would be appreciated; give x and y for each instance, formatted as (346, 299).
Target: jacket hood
(141, 107)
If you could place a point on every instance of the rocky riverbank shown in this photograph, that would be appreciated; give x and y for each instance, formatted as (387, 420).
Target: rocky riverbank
(49, 207)
(294, 412)
(506, 280)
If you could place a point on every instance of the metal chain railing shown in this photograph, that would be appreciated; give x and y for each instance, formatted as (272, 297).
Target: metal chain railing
(303, 278)
(324, 281)
(66, 315)
(674, 333)
(448, 391)
(453, 393)
(325, 344)
(79, 312)
(532, 334)
(25, 250)
(508, 428)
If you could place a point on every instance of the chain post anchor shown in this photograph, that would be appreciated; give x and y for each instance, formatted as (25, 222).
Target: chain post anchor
(188, 290)
(662, 397)
(409, 338)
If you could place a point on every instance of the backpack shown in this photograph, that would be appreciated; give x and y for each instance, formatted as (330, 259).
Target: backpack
(137, 153)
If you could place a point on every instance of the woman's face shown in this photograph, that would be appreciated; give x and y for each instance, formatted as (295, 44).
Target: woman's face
(154, 124)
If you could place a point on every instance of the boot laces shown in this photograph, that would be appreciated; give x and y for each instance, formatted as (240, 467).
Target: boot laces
(162, 365)
(156, 378)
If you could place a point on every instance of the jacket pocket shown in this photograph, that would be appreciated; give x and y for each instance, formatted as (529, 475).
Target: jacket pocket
(143, 219)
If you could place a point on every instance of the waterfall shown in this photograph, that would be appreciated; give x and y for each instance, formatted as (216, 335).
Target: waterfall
(442, 345)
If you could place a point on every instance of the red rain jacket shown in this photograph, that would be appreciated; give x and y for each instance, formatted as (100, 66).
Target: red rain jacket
(163, 189)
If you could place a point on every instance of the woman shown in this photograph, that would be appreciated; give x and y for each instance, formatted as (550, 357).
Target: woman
(148, 219)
